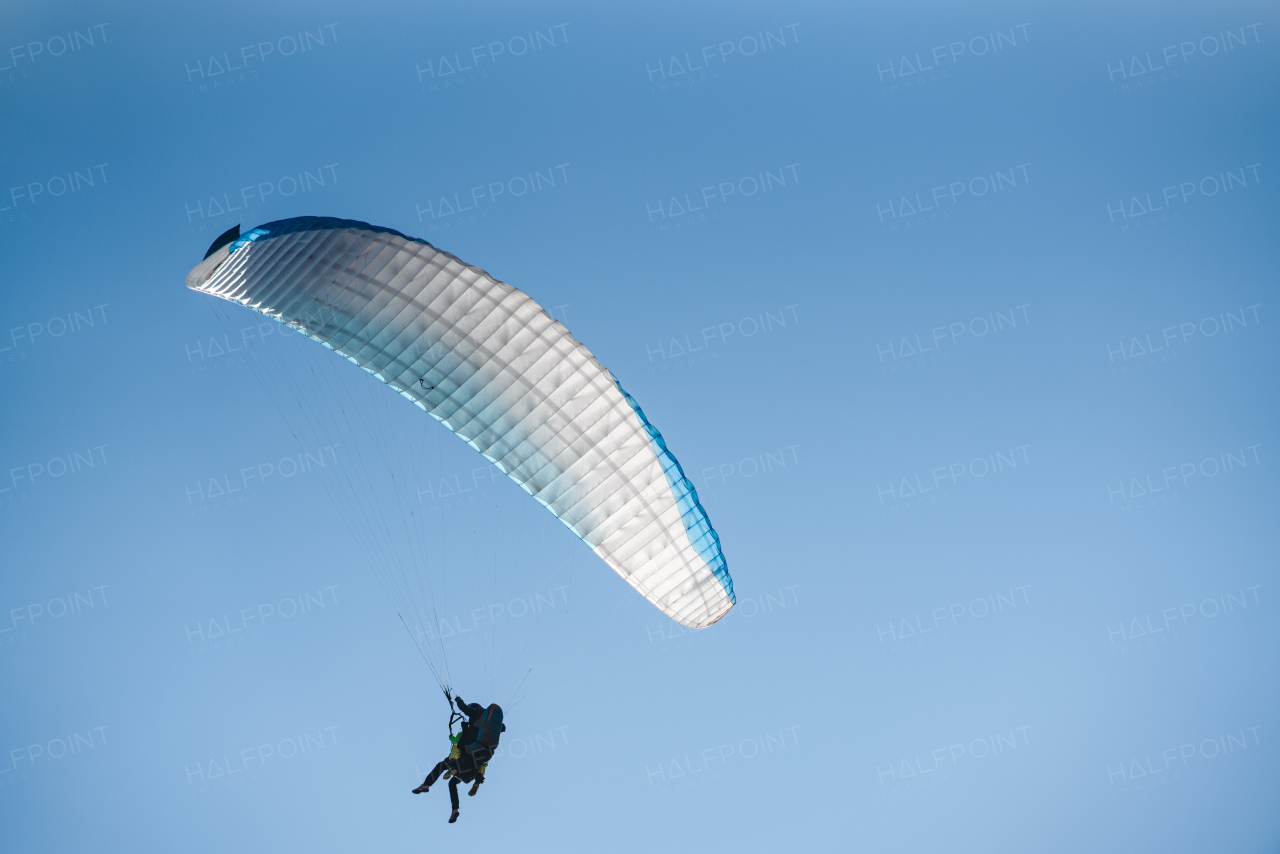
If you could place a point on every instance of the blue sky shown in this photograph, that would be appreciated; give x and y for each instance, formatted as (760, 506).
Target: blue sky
(960, 320)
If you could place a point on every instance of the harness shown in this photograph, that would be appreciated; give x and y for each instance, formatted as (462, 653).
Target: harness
(455, 754)
(455, 716)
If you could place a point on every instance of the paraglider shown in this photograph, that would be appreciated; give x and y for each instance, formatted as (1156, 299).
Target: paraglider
(471, 750)
(489, 363)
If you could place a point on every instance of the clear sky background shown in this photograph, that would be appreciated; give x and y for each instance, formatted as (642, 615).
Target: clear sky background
(961, 319)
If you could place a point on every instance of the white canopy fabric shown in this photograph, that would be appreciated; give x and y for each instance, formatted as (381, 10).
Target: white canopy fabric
(490, 364)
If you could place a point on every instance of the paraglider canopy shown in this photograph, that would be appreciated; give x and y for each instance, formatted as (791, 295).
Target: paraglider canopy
(223, 239)
(489, 363)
